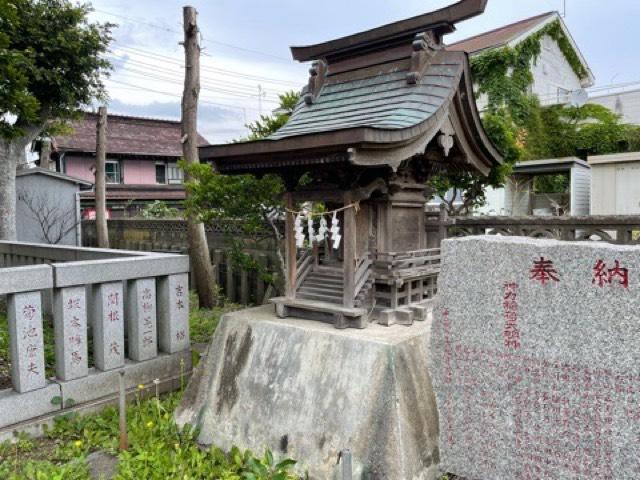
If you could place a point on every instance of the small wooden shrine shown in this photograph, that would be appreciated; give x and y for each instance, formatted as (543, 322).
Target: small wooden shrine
(383, 111)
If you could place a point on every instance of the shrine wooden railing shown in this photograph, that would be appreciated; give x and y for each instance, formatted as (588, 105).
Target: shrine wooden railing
(619, 229)
(363, 273)
(304, 265)
(406, 277)
(108, 310)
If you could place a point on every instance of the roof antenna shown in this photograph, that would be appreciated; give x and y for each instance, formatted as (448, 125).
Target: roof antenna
(564, 8)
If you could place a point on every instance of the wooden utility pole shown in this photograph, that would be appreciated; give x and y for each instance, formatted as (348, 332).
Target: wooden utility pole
(101, 190)
(198, 248)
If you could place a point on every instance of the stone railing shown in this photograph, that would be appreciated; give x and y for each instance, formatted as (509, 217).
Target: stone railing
(111, 311)
(619, 229)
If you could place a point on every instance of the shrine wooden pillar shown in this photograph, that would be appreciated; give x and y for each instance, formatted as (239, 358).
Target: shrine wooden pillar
(349, 247)
(290, 247)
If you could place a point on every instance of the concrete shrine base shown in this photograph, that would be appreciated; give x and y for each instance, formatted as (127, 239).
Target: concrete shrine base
(307, 391)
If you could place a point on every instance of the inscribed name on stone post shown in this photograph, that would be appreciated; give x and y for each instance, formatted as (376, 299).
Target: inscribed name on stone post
(538, 359)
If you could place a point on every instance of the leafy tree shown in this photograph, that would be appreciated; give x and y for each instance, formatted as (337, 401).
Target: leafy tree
(50, 68)
(254, 204)
(159, 209)
(268, 124)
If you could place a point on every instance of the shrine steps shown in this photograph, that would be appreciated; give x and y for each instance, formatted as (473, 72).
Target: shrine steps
(323, 284)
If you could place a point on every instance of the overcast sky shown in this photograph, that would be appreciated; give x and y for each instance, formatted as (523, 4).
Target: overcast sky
(246, 45)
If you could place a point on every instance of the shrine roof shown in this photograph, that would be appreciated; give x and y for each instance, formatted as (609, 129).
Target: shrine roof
(381, 96)
(382, 101)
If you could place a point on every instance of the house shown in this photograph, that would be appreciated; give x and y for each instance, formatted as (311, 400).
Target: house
(553, 76)
(48, 207)
(615, 188)
(521, 196)
(141, 165)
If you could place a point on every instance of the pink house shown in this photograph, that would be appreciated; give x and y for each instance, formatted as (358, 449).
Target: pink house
(142, 160)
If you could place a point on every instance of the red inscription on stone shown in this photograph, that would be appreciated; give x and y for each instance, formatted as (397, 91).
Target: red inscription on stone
(605, 276)
(114, 348)
(76, 358)
(29, 312)
(543, 271)
(511, 333)
(72, 303)
(113, 298)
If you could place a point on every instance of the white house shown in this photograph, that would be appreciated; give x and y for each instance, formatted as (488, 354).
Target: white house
(554, 78)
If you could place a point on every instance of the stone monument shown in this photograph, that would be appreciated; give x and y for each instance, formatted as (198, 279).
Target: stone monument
(538, 374)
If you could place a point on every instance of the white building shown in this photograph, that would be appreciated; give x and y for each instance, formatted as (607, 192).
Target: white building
(615, 184)
(518, 197)
(622, 101)
(553, 77)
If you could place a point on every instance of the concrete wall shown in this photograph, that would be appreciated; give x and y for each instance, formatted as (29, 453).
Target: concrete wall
(57, 195)
(626, 104)
(615, 188)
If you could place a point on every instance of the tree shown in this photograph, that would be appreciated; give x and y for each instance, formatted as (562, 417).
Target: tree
(253, 204)
(51, 64)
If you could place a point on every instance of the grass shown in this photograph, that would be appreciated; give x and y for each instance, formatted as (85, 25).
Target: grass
(158, 450)
(203, 322)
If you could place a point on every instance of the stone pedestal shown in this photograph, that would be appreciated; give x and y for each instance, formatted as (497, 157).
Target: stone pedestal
(308, 391)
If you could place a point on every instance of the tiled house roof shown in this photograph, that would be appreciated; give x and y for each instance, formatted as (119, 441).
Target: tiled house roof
(499, 36)
(125, 135)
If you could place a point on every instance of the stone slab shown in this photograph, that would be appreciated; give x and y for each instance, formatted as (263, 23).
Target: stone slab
(70, 326)
(142, 319)
(18, 407)
(96, 271)
(26, 279)
(308, 391)
(538, 348)
(173, 313)
(108, 326)
(27, 341)
(99, 384)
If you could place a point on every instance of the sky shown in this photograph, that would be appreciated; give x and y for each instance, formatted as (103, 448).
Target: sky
(246, 62)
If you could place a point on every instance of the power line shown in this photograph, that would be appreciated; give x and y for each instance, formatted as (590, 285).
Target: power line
(169, 94)
(157, 56)
(204, 87)
(167, 29)
(213, 83)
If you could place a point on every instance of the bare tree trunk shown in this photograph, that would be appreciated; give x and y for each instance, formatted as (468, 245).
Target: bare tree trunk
(102, 231)
(8, 162)
(45, 154)
(198, 248)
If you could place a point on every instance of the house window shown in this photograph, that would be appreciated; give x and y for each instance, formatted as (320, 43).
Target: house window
(175, 175)
(161, 173)
(112, 171)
